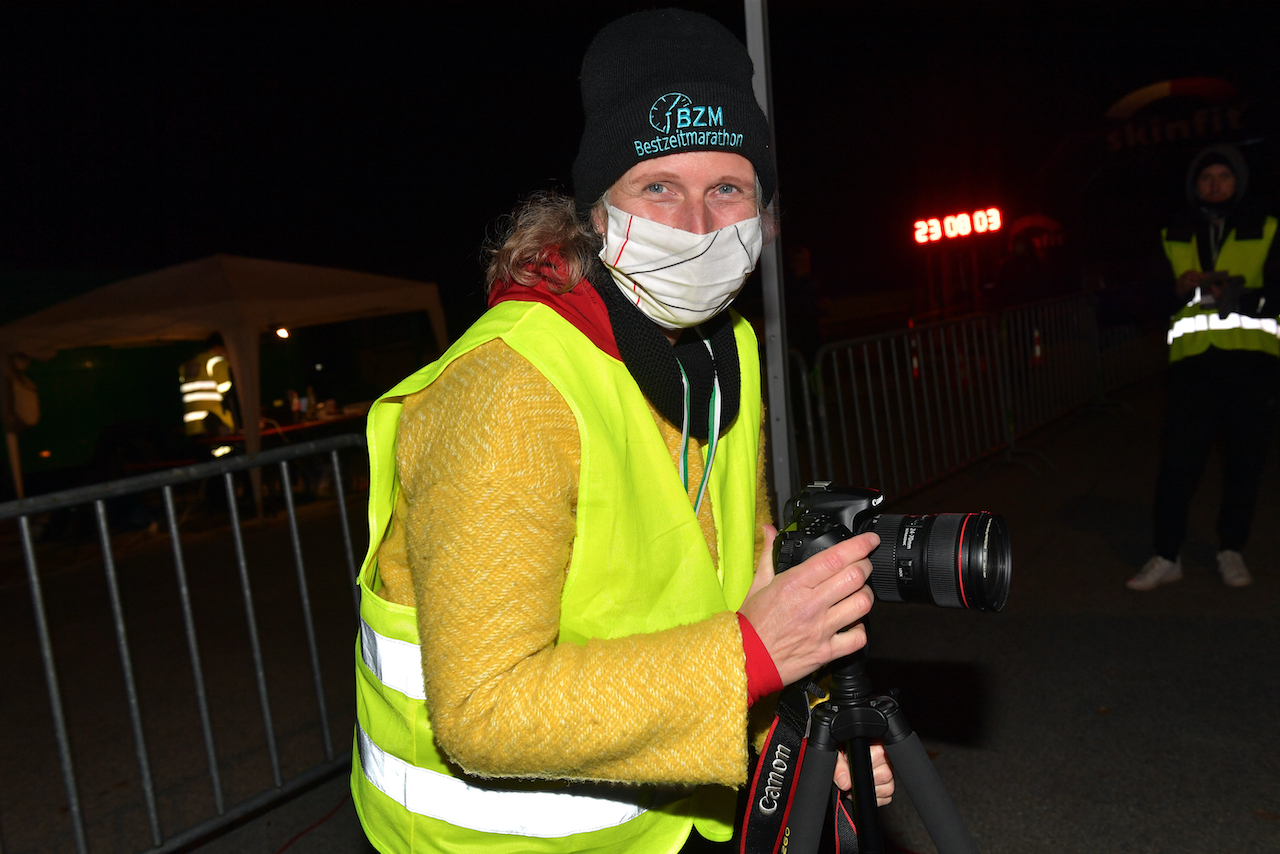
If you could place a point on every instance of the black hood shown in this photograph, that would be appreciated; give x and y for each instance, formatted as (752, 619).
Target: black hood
(1230, 155)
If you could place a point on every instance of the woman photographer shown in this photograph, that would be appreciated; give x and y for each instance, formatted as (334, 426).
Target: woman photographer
(569, 604)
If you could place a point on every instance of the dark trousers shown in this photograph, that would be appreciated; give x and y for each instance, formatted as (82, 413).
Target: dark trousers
(1223, 396)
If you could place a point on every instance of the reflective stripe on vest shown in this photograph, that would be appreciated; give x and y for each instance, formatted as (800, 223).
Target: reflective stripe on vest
(1211, 322)
(396, 663)
(542, 814)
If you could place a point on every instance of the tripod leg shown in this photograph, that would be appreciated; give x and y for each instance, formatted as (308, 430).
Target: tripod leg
(865, 817)
(913, 768)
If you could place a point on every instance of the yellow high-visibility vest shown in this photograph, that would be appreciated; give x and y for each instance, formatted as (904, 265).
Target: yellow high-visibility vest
(644, 542)
(204, 382)
(1196, 328)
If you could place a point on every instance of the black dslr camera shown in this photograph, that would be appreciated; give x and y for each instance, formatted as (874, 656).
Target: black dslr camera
(952, 560)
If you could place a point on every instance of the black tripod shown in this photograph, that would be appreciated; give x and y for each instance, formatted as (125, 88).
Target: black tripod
(854, 715)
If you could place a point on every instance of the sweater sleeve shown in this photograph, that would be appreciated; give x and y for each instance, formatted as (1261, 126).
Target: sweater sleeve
(488, 462)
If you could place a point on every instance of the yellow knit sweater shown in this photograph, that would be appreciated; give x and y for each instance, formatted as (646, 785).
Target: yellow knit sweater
(480, 542)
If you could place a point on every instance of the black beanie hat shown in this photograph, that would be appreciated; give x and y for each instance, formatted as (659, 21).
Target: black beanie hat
(663, 82)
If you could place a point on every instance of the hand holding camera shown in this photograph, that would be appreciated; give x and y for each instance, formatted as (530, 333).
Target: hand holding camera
(819, 577)
(801, 616)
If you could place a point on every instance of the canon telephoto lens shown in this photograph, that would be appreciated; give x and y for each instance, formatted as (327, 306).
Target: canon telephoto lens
(953, 560)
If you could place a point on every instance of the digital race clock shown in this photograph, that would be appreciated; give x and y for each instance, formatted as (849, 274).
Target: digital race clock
(957, 225)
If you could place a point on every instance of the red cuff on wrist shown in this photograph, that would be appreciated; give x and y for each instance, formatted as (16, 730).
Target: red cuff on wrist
(762, 673)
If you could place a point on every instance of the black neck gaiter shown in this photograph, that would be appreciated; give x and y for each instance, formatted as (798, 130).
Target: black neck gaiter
(655, 364)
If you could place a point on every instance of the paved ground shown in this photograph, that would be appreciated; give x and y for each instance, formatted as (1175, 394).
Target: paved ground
(1083, 718)
(1087, 717)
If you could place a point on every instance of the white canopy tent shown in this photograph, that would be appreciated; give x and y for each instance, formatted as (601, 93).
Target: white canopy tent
(240, 298)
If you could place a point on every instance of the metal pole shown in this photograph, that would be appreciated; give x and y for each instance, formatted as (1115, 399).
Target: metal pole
(346, 529)
(251, 621)
(775, 315)
(51, 682)
(126, 666)
(306, 606)
(193, 649)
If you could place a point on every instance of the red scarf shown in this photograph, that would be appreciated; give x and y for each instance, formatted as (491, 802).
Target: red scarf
(581, 306)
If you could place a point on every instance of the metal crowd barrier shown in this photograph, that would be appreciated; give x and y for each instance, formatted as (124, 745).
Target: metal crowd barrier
(1052, 361)
(98, 498)
(900, 410)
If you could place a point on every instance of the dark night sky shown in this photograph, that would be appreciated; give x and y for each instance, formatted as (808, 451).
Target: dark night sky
(387, 136)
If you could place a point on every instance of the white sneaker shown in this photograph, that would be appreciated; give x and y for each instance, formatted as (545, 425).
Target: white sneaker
(1155, 572)
(1232, 569)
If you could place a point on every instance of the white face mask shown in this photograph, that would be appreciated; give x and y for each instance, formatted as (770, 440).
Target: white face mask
(677, 278)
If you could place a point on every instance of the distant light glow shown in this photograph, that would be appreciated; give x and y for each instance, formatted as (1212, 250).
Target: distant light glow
(957, 225)
(282, 332)
(44, 455)
(221, 450)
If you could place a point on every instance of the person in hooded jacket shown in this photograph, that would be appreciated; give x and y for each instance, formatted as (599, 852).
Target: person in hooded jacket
(1221, 284)
(568, 608)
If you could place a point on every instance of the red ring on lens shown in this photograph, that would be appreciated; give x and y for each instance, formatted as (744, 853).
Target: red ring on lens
(960, 560)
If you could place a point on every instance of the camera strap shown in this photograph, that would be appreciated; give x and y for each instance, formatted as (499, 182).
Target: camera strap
(773, 786)
(845, 832)
(777, 770)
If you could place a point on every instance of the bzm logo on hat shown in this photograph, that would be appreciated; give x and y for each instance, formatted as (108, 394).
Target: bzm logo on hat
(680, 106)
